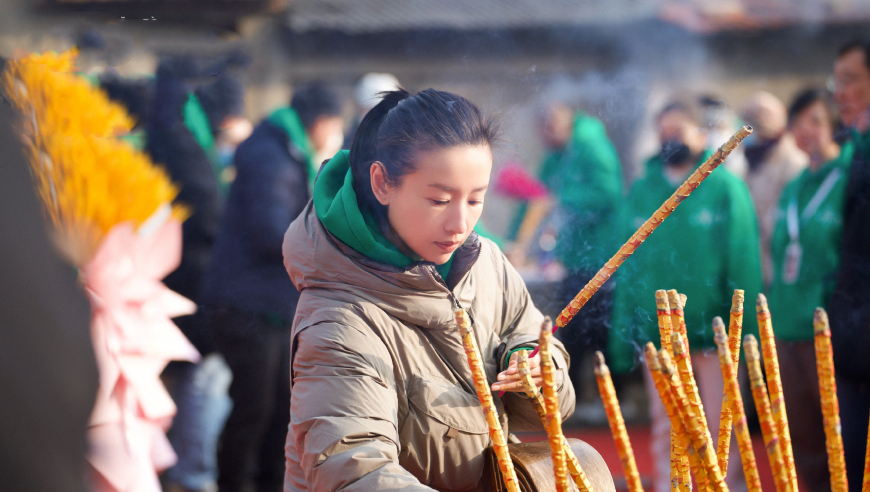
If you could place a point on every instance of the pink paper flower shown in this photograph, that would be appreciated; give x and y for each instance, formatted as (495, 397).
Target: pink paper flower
(134, 339)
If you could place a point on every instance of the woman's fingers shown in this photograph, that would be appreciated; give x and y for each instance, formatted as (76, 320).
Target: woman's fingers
(514, 384)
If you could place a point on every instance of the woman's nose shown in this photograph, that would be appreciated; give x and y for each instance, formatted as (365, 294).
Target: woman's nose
(457, 223)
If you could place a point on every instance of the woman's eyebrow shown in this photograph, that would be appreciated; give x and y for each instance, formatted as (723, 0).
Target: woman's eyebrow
(450, 190)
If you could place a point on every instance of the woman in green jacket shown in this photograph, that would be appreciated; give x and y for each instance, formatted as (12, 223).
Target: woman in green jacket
(382, 395)
(805, 250)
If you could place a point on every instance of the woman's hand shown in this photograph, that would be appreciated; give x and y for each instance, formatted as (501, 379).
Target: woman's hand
(510, 380)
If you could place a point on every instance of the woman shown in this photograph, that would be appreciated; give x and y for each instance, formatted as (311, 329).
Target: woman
(805, 251)
(382, 396)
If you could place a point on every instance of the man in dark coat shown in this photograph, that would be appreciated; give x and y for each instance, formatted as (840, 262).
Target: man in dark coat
(250, 297)
(849, 308)
(182, 126)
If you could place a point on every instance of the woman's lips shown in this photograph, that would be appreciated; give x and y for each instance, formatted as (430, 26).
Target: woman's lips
(449, 246)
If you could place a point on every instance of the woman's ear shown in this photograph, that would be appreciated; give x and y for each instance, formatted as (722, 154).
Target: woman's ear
(380, 186)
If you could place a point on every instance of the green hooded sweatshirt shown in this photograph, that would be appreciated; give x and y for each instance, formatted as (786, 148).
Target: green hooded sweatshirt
(819, 233)
(337, 208)
(586, 180)
(706, 248)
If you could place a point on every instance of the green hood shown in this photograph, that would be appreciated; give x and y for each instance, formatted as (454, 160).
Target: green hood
(336, 206)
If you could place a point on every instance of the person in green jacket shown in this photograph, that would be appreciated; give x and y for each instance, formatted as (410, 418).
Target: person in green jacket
(806, 251)
(707, 248)
(582, 172)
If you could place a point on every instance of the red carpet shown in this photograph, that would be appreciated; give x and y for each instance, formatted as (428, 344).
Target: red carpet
(601, 440)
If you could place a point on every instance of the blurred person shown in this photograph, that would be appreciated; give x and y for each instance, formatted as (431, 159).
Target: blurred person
(849, 307)
(366, 96)
(805, 250)
(773, 159)
(183, 125)
(706, 248)
(48, 374)
(720, 123)
(581, 170)
(250, 297)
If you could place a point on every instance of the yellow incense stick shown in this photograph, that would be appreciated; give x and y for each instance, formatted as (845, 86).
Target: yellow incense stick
(765, 417)
(679, 461)
(551, 405)
(650, 225)
(681, 404)
(830, 404)
(734, 403)
(680, 442)
(617, 424)
(774, 387)
(735, 331)
(865, 486)
(696, 422)
(531, 390)
(499, 443)
(678, 320)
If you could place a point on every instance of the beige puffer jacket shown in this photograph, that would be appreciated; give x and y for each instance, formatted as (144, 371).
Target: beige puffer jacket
(382, 396)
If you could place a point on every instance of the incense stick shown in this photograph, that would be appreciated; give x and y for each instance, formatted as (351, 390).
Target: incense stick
(496, 433)
(617, 424)
(774, 387)
(636, 239)
(830, 405)
(734, 403)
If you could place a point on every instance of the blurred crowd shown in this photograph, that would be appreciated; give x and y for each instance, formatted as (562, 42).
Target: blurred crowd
(789, 217)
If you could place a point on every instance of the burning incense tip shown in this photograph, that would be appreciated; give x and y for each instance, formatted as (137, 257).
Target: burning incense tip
(820, 321)
(599, 362)
(737, 300)
(761, 303)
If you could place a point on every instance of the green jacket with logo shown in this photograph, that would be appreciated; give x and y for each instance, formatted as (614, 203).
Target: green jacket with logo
(792, 305)
(706, 248)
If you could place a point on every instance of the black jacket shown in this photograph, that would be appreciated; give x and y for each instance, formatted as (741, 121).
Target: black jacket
(270, 190)
(849, 309)
(173, 146)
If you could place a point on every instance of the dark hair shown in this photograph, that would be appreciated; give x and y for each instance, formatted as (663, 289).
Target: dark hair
(687, 106)
(314, 100)
(807, 98)
(133, 94)
(856, 44)
(402, 125)
(220, 98)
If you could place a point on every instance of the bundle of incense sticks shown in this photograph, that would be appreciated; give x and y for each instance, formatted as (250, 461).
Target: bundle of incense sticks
(499, 443)
(682, 450)
(692, 412)
(765, 415)
(617, 424)
(679, 460)
(733, 401)
(577, 474)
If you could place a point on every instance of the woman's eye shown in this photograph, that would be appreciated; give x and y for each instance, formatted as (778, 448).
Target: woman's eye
(440, 202)
(475, 202)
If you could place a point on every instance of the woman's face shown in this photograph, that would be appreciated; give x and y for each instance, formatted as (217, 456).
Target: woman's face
(812, 129)
(435, 208)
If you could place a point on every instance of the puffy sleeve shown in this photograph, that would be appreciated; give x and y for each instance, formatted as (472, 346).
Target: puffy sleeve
(345, 412)
(521, 328)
